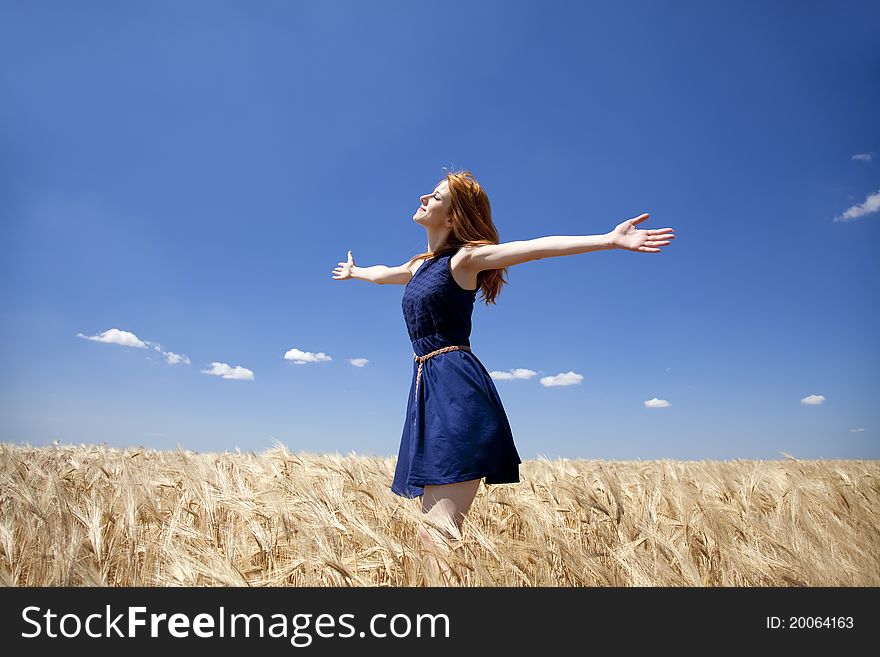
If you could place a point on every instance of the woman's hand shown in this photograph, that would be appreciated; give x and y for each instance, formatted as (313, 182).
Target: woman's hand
(627, 236)
(344, 270)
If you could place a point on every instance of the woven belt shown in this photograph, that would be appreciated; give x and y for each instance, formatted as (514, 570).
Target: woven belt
(422, 359)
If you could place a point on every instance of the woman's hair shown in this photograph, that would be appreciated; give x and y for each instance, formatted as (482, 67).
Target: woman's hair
(472, 226)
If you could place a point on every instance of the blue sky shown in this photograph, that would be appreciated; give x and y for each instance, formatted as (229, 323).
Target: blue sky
(190, 173)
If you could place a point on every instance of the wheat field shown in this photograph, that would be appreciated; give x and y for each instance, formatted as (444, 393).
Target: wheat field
(101, 516)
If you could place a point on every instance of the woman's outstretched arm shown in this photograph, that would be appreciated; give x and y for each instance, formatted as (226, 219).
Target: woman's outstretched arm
(381, 274)
(624, 236)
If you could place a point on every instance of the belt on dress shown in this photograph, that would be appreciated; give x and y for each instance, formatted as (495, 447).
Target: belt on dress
(422, 359)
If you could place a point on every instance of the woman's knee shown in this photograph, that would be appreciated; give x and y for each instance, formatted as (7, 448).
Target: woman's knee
(434, 539)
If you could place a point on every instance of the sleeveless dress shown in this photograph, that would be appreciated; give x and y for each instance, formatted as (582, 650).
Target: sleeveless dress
(455, 428)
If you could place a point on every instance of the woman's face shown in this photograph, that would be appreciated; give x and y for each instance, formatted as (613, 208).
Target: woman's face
(434, 207)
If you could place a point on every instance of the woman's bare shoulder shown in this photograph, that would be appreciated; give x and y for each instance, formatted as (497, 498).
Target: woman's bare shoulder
(414, 263)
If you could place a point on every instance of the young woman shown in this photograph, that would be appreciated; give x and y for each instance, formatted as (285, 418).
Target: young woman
(456, 431)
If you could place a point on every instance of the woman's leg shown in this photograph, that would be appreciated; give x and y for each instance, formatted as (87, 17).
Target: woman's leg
(450, 501)
(446, 505)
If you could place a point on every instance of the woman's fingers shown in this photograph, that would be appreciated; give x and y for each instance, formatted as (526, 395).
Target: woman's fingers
(343, 269)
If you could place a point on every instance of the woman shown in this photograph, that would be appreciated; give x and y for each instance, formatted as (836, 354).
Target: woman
(456, 431)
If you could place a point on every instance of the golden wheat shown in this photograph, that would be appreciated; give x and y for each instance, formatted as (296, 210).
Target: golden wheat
(98, 516)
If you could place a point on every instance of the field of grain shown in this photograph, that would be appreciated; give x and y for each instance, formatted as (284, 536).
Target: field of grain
(99, 516)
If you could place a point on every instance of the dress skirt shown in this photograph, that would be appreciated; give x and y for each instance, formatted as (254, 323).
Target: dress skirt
(455, 429)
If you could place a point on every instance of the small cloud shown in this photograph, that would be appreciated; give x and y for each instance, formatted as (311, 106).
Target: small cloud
(813, 400)
(172, 359)
(870, 206)
(857, 430)
(564, 379)
(358, 362)
(668, 368)
(518, 373)
(863, 157)
(303, 357)
(115, 336)
(657, 403)
(225, 371)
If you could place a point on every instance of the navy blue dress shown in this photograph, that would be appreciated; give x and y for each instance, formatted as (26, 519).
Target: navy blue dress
(455, 428)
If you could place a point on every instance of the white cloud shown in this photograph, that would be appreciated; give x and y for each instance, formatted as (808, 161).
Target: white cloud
(657, 403)
(303, 357)
(564, 379)
(813, 400)
(857, 429)
(172, 359)
(870, 206)
(126, 339)
(358, 362)
(518, 373)
(115, 336)
(225, 371)
(864, 157)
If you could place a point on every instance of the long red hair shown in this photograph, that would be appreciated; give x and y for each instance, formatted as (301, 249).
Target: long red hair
(472, 226)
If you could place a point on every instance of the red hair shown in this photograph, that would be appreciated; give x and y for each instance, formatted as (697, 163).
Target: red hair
(472, 226)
